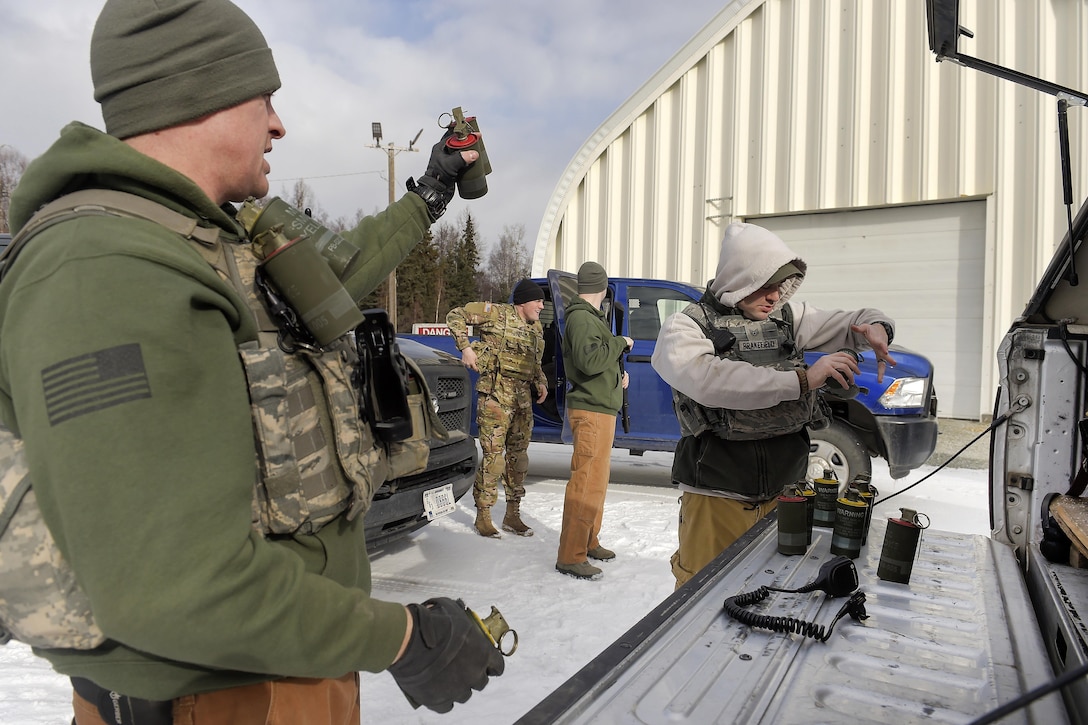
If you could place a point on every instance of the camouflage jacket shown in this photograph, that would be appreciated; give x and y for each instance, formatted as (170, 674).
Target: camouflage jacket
(508, 351)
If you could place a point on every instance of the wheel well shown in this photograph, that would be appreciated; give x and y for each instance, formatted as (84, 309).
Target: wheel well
(863, 423)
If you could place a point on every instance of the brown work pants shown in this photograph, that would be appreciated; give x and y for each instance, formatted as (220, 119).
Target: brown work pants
(291, 701)
(708, 525)
(590, 465)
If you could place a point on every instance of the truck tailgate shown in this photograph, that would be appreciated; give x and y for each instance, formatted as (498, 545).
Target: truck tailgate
(936, 650)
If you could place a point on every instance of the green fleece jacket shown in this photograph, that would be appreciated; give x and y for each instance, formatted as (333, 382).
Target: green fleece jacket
(148, 491)
(591, 358)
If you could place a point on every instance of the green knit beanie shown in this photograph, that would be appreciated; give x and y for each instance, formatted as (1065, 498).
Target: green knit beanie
(160, 63)
(591, 278)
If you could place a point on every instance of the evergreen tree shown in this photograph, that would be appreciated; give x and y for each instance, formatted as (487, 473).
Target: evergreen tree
(416, 292)
(445, 238)
(461, 266)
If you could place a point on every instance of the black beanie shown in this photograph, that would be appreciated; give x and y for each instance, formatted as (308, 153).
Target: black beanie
(160, 63)
(526, 291)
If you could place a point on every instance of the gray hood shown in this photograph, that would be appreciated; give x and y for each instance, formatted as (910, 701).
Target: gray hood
(750, 256)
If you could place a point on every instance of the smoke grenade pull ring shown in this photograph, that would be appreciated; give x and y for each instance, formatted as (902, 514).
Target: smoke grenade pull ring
(497, 630)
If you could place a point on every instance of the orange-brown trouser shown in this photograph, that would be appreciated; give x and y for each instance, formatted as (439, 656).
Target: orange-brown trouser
(708, 525)
(291, 701)
(590, 464)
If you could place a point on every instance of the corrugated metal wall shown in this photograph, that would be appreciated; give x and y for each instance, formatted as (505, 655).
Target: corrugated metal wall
(790, 106)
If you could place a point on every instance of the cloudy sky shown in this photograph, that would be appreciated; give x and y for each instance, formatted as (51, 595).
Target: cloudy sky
(539, 76)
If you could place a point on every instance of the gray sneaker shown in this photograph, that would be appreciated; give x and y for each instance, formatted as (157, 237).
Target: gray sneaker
(601, 554)
(584, 570)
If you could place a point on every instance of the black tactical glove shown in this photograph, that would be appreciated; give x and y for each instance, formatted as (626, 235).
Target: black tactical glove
(448, 656)
(437, 185)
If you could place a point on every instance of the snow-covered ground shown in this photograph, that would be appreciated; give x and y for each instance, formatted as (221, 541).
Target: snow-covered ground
(562, 622)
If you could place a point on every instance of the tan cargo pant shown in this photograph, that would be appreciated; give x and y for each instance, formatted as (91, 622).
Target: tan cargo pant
(590, 466)
(291, 701)
(708, 525)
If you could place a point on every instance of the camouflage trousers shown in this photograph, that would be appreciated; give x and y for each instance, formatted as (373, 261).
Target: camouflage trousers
(504, 434)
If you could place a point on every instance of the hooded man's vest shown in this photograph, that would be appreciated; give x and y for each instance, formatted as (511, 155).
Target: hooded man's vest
(764, 343)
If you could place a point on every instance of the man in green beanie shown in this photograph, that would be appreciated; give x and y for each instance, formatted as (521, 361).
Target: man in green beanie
(507, 357)
(591, 356)
(219, 547)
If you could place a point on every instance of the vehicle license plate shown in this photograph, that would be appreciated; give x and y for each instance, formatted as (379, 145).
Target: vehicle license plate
(439, 501)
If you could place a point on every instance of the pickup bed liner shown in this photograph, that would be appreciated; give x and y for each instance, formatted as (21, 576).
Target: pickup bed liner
(936, 650)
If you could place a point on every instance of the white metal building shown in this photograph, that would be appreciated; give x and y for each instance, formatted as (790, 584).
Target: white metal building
(925, 189)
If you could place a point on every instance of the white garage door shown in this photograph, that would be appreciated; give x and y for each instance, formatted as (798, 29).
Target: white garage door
(923, 265)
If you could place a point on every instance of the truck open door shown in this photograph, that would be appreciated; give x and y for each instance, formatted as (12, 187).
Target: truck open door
(564, 288)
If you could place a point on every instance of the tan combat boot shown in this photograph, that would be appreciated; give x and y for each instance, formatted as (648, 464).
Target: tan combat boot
(512, 521)
(484, 527)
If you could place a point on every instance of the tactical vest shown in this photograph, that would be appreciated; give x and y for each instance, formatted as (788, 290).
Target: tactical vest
(511, 350)
(317, 455)
(764, 343)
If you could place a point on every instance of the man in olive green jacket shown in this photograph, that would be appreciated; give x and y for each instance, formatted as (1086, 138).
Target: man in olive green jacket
(591, 355)
(123, 367)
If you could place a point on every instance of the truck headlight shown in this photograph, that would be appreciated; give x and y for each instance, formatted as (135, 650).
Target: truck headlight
(905, 393)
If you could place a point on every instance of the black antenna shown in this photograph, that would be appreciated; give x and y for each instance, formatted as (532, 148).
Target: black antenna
(1067, 182)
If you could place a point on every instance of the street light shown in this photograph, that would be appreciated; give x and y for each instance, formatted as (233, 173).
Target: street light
(391, 151)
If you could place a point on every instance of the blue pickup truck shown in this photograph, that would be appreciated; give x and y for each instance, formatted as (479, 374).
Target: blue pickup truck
(895, 420)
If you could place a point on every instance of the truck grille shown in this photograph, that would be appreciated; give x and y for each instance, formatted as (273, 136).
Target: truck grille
(451, 394)
(454, 419)
(449, 388)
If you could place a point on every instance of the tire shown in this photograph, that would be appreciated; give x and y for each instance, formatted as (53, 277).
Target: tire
(836, 447)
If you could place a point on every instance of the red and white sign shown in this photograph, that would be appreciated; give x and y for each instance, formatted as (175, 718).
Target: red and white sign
(425, 329)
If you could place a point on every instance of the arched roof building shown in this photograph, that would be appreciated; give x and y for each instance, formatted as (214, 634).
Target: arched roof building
(926, 189)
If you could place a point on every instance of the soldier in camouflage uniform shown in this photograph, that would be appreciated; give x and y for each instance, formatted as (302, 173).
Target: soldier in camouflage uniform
(507, 357)
(742, 391)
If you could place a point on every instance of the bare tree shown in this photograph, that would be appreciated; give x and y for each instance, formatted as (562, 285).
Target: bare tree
(507, 263)
(343, 224)
(302, 197)
(12, 166)
(446, 236)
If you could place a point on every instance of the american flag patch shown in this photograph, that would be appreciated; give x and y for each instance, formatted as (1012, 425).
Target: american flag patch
(94, 381)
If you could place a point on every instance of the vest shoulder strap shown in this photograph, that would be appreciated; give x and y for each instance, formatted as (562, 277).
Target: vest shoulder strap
(787, 315)
(105, 202)
(722, 339)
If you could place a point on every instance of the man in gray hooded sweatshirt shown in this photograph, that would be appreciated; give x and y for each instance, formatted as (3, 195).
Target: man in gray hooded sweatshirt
(741, 389)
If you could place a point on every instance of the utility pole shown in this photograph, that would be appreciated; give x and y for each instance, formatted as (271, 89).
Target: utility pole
(391, 151)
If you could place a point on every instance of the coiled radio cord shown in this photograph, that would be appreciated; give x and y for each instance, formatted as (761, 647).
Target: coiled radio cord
(734, 607)
(836, 578)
